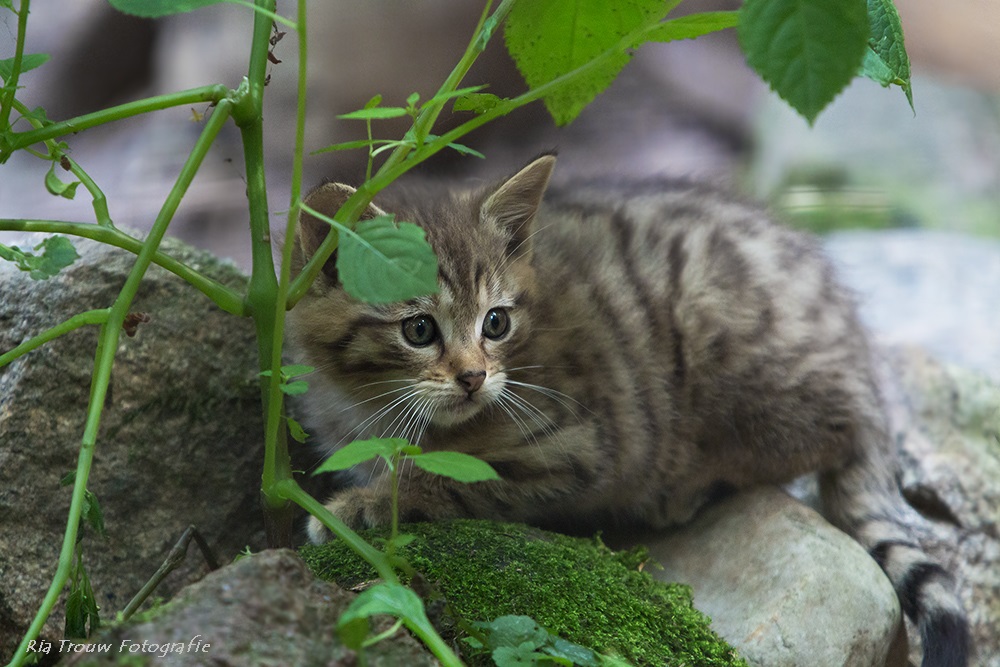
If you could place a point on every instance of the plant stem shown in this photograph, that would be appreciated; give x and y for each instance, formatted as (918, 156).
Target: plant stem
(222, 296)
(11, 86)
(263, 288)
(277, 466)
(289, 488)
(213, 93)
(100, 202)
(72, 324)
(104, 360)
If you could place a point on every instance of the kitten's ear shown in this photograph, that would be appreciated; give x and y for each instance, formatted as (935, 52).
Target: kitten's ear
(326, 199)
(513, 205)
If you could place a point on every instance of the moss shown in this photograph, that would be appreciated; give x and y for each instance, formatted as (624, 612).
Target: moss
(576, 588)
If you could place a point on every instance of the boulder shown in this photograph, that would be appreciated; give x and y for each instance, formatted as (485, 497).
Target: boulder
(261, 611)
(180, 439)
(947, 420)
(782, 585)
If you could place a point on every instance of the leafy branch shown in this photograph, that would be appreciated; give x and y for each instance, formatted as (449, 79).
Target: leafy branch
(566, 63)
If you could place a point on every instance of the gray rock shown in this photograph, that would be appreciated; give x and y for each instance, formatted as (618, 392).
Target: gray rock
(948, 422)
(265, 610)
(930, 288)
(782, 585)
(179, 444)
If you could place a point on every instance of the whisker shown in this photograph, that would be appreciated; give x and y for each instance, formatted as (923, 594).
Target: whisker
(557, 396)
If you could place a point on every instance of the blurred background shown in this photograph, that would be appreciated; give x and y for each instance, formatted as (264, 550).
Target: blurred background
(909, 204)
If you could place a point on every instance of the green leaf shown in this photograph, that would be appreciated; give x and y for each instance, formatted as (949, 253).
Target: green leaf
(296, 388)
(457, 466)
(387, 598)
(692, 26)
(465, 150)
(354, 632)
(461, 92)
(382, 262)
(82, 613)
(29, 61)
(574, 654)
(360, 451)
(806, 50)
(152, 9)
(296, 431)
(549, 39)
(7, 4)
(92, 513)
(885, 60)
(351, 145)
(518, 656)
(512, 631)
(294, 370)
(57, 253)
(476, 102)
(374, 113)
(58, 187)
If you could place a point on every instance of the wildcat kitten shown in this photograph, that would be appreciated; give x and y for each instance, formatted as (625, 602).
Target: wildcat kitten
(619, 354)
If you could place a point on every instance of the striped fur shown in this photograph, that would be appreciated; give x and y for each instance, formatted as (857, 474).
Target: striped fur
(663, 343)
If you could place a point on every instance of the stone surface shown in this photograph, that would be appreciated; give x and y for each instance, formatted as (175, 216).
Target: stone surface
(264, 610)
(934, 289)
(782, 585)
(948, 422)
(180, 438)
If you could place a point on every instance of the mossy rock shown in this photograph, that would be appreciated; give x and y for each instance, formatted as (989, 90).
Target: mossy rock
(575, 588)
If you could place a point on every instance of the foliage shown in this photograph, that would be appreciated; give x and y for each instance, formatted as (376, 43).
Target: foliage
(568, 51)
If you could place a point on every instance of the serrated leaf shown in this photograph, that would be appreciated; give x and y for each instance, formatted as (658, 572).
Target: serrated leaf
(57, 187)
(382, 262)
(806, 51)
(82, 613)
(692, 26)
(29, 61)
(7, 4)
(456, 465)
(885, 60)
(552, 38)
(92, 513)
(57, 253)
(152, 9)
(374, 113)
(360, 451)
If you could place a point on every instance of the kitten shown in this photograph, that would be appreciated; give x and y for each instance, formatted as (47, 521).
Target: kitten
(619, 354)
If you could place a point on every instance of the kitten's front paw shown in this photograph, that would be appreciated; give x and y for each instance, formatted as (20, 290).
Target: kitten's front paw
(359, 508)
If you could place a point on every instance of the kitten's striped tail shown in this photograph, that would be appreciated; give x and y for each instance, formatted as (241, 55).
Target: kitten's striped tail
(864, 500)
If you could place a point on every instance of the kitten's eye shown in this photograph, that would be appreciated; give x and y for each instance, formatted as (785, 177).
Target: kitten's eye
(496, 323)
(420, 330)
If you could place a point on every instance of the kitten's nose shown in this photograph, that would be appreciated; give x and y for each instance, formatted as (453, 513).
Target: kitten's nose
(471, 381)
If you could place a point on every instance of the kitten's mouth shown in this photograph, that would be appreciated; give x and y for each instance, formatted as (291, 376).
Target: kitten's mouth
(458, 410)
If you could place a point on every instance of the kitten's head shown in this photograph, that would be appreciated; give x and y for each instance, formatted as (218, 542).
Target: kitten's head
(441, 358)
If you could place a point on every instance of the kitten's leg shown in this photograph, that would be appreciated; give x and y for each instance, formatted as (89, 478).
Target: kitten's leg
(863, 499)
(422, 497)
